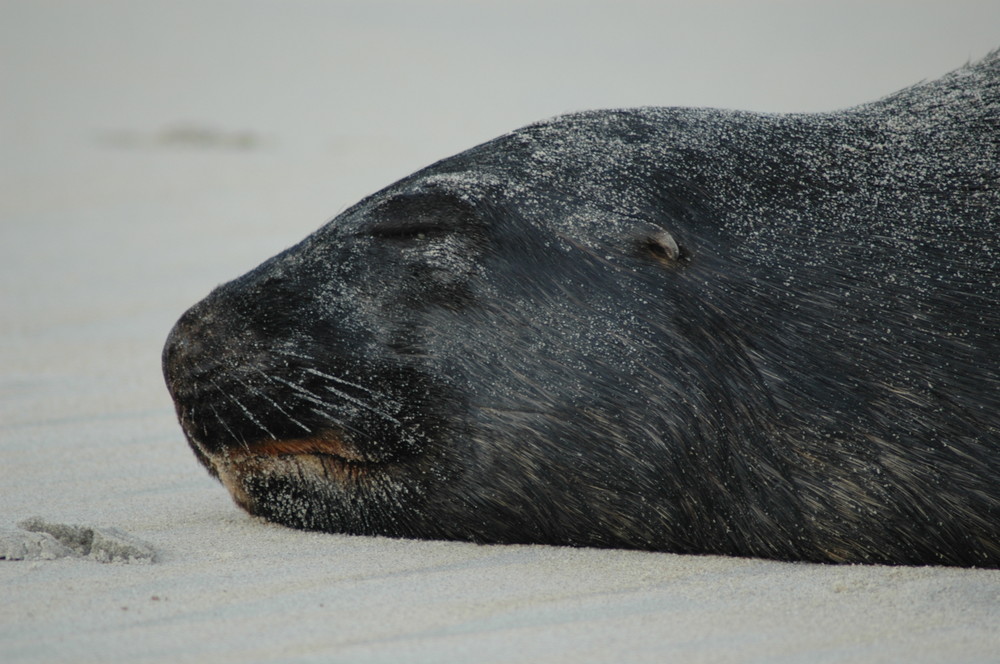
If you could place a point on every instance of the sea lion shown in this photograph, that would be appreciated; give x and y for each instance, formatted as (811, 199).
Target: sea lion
(687, 330)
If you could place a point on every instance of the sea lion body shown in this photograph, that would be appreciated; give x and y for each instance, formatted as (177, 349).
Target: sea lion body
(688, 330)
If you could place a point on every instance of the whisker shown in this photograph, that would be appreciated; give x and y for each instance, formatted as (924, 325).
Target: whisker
(315, 398)
(341, 381)
(304, 392)
(345, 428)
(246, 411)
(342, 395)
(362, 404)
(273, 402)
(226, 427)
(330, 377)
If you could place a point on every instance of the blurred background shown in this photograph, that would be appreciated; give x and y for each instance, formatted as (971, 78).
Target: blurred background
(358, 93)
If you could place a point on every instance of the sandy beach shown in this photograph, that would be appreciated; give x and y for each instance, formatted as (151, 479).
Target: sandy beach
(149, 152)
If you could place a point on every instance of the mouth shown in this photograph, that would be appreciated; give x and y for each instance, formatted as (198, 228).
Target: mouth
(326, 459)
(325, 445)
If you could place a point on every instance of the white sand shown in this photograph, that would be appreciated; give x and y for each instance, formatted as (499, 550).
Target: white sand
(150, 152)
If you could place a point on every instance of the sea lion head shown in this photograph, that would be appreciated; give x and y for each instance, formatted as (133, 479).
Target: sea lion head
(447, 356)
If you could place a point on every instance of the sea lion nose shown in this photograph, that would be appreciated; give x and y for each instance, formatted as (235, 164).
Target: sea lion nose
(187, 351)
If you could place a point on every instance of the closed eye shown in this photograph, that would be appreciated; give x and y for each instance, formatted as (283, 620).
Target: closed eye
(419, 216)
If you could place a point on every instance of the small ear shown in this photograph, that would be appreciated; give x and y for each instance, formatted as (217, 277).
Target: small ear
(661, 245)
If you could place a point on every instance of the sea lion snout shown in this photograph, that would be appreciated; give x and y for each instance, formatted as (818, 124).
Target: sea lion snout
(200, 348)
(219, 374)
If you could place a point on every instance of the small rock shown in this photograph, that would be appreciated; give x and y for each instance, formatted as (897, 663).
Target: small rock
(41, 540)
(21, 545)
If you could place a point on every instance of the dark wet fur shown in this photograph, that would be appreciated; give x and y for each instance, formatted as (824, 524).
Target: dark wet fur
(686, 330)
